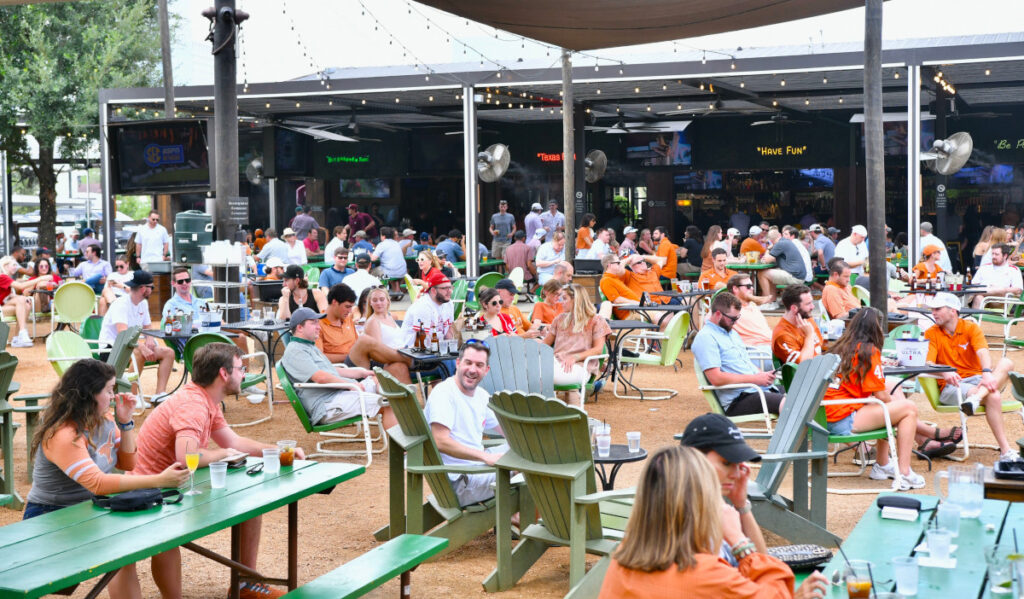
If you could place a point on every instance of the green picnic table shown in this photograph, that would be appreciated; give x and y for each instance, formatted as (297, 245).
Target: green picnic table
(878, 540)
(754, 266)
(54, 551)
(898, 262)
(485, 265)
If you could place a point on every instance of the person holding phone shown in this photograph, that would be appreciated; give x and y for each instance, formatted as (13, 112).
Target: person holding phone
(796, 337)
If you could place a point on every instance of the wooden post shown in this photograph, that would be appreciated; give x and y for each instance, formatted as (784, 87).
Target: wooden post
(873, 156)
(568, 158)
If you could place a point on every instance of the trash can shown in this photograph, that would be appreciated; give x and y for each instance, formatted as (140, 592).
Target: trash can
(193, 230)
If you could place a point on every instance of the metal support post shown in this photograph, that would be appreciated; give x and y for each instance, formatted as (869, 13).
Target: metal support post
(913, 162)
(472, 189)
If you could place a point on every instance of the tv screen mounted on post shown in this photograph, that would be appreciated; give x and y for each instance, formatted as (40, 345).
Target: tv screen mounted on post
(164, 156)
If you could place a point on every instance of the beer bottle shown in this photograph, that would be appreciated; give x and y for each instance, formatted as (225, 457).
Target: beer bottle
(434, 341)
(419, 336)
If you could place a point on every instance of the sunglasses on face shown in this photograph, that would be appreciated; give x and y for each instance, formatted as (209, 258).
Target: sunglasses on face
(120, 266)
(498, 303)
(732, 319)
(183, 281)
(750, 285)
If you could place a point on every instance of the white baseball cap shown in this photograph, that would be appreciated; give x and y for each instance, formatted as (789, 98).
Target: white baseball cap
(274, 262)
(540, 232)
(755, 230)
(536, 207)
(859, 230)
(944, 300)
(733, 232)
(628, 230)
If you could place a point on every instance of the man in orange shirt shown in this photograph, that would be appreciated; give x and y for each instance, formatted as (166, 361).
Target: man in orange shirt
(640, 277)
(961, 344)
(836, 297)
(339, 341)
(614, 289)
(718, 276)
(754, 243)
(667, 250)
(796, 337)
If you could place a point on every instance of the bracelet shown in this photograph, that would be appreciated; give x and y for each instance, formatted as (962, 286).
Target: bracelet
(126, 426)
(986, 370)
(743, 549)
(746, 509)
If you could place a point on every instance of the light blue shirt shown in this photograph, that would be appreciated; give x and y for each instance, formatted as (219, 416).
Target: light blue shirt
(825, 244)
(330, 277)
(713, 347)
(88, 270)
(452, 250)
(189, 306)
(547, 253)
(275, 248)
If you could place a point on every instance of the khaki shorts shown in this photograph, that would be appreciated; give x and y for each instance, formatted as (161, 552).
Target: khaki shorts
(782, 277)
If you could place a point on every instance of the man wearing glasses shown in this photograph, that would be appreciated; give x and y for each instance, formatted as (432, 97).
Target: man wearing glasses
(152, 240)
(133, 310)
(723, 357)
(330, 277)
(182, 298)
(116, 283)
(432, 309)
(753, 327)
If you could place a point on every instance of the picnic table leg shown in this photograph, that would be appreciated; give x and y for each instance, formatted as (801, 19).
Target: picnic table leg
(236, 556)
(293, 545)
(405, 585)
(102, 584)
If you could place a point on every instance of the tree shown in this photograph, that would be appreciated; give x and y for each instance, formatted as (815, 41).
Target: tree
(54, 59)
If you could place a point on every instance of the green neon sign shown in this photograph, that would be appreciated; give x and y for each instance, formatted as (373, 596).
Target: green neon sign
(348, 159)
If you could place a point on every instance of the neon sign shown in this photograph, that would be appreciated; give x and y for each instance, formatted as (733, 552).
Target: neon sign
(348, 159)
(546, 157)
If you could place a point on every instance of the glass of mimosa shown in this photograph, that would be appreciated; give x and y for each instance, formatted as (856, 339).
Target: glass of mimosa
(192, 462)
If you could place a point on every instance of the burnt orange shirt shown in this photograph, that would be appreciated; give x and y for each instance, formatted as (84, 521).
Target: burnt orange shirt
(647, 281)
(337, 338)
(666, 249)
(713, 278)
(959, 350)
(758, 576)
(519, 319)
(850, 387)
(259, 242)
(788, 341)
(751, 245)
(921, 271)
(543, 312)
(613, 288)
(837, 300)
(584, 238)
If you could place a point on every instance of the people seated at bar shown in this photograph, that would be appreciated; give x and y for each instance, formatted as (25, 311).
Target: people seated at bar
(544, 312)
(752, 327)
(792, 270)
(723, 356)
(836, 297)
(549, 255)
(961, 344)
(796, 337)
(296, 293)
(718, 275)
(575, 335)
(1000, 277)
(187, 421)
(341, 343)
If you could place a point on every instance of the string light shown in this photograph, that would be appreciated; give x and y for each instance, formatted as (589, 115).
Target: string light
(824, 79)
(988, 72)
(306, 53)
(840, 99)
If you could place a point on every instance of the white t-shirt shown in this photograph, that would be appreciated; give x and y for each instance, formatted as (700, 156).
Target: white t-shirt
(847, 251)
(597, 250)
(427, 311)
(360, 280)
(998, 277)
(119, 277)
(332, 245)
(123, 311)
(296, 253)
(800, 247)
(392, 262)
(152, 240)
(467, 417)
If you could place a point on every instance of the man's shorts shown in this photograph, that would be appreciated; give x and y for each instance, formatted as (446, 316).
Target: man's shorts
(948, 397)
(346, 404)
(373, 364)
(781, 277)
(474, 488)
(498, 249)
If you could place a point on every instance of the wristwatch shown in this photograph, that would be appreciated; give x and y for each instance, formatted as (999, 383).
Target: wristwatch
(127, 426)
(986, 370)
(747, 507)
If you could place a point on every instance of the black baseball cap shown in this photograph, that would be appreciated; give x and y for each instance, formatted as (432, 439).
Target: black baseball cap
(294, 271)
(506, 284)
(718, 433)
(140, 278)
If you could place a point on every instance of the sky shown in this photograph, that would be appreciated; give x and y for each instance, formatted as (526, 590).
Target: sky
(285, 39)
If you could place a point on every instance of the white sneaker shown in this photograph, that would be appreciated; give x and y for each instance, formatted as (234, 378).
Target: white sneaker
(770, 306)
(21, 340)
(1010, 456)
(911, 481)
(882, 472)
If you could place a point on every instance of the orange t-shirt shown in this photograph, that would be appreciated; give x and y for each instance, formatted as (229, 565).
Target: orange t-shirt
(546, 313)
(751, 245)
(613, 288)
(337, 338)
(758, 575)
(191, 413)
(648, 282)
(959, 350)
(838, 301)
(788, 341)
(921, 271)
(666, 249)
(519, 319)
(713, 278)
(584, 238)
(259, 242)
(851, 388)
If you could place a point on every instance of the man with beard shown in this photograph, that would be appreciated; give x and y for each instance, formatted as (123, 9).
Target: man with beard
(796, 337)
(458, 415)
(1001, 277)
(723, 357)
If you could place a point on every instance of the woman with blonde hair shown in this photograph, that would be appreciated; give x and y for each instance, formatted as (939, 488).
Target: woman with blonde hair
(982, 246)
(575, 335)
(677, 526)
(429, 263)
(380, 324)
(645, 244)
(546, 311)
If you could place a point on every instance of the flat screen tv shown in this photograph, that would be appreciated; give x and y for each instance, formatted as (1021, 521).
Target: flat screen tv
(164, 156)
(815, 177)
(996, 174)
(365, 188)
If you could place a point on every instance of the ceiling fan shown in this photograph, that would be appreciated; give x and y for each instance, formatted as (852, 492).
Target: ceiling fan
(621, 126)
(353, 128)
(950, 155)
(780, 119)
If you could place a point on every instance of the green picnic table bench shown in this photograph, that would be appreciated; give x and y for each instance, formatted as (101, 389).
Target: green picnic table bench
(372, 569)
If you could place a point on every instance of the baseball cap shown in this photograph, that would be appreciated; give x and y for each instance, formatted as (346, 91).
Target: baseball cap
(540, 233)
(302, 315)
(408, 232)
(87, 231)
(536, 207)
(424, 236)
(298, 209)
(287, 232)
(507, 285)
(718, 433)
(140, 278)
(356, 234)
(930, 249)
(859, 230)
(944, 300)
(628, 230)
(755, 230)
(363, 258)
(436, 278)
(353, 206)
(274, 262)
(832, 230)
(733, 232)
(294, 271)
(816, 228)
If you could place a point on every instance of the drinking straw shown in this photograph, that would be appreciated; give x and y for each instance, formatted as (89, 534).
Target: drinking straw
(1015, 548)
(871, 577)
(843, 553)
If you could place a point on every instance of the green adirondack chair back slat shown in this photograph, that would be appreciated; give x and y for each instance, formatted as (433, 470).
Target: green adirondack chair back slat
(7, 365)
(91, 331)
(536, 430)
(124, 344)
(805, 392)
(414, 423)
(5, 333)
(518, 364)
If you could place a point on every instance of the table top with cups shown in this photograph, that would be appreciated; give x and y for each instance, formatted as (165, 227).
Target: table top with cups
(879, 540)
(262, 324)
(78, 543)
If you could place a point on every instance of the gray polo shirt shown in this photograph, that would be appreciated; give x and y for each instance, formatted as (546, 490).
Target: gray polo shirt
(301, 360)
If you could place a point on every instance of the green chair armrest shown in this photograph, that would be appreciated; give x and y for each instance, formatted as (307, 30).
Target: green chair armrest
(450, 468)
(571, 470)
(32, 398)
(790, 457)
(605, 496)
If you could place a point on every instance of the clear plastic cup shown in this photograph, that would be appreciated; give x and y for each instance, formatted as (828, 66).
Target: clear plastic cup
(633, 439)
(218, 474)
(858, 579)
(948, 517)
(287, 449)
(604, 445)
(939, 540)
(271, 461)
(905, 570)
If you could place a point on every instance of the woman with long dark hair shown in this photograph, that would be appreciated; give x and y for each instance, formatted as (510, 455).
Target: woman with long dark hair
(80, 442)
(711, 241)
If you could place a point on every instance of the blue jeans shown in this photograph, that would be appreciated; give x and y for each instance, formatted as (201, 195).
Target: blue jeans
(38, 509)
(96, 284)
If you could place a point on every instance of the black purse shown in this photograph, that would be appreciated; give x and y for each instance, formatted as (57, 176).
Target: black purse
(137, 500)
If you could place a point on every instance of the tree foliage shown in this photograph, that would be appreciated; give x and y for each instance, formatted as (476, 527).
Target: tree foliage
(54, 59)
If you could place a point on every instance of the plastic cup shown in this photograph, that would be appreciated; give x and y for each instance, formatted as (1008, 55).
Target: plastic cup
(858, 579)
(1000, 570)
(905, 570)
(948, 517)
(633, 438)
(287, 449)
(271, 461)
(938, 543)
(218, 474)
(604, 445)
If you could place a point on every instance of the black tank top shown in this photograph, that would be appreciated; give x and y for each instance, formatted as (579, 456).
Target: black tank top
(309, 303)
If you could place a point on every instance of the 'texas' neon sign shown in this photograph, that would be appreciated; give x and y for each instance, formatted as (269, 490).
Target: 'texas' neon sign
(546, 157)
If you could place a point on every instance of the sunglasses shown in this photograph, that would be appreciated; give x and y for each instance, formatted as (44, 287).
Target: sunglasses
(477, 342)
(120, 266)
(183, 281)
(498, 303)
(732, 319)
(750, 285)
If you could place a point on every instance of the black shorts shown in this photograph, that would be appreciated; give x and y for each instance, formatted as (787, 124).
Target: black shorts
(373, 364)
(750, 403)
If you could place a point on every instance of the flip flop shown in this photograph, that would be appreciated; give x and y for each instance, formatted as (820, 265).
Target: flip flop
(956, 434)
(943, 449)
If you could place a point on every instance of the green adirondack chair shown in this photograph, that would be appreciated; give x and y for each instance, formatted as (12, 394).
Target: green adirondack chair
(460, 289)
(251, 379)
(91, 333)
(519, 364)
(671, 344)
(885, 432)
(712, 399)
(362, 425)
(861, 294)
(550, 444)
(414, 457)
(312, 275)
(7, 427)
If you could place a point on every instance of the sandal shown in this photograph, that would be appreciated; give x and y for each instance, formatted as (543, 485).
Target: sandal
(956, 434)
(943, 448)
